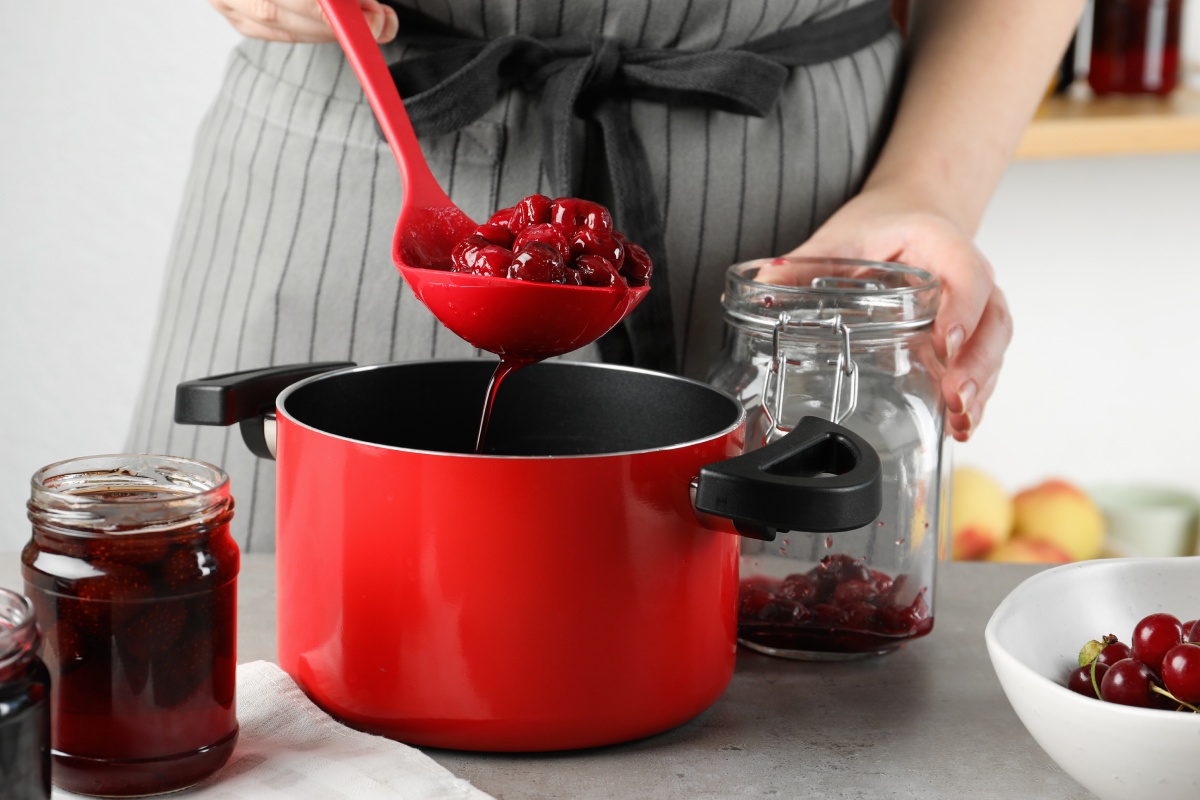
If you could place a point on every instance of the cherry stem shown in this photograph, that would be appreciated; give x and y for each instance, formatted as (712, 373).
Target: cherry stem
(1173, 698)
(1095, 687)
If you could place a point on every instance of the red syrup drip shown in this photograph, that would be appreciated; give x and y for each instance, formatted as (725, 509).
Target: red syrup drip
(507, 366)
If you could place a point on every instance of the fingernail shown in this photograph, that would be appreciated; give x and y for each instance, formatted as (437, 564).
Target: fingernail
(954, 340)
(966, 394)
(377, 21)
(391, 25)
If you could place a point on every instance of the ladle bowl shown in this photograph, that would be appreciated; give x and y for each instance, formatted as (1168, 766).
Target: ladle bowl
(519, 319)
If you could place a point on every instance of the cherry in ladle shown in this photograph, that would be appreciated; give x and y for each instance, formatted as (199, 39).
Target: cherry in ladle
(521, 321)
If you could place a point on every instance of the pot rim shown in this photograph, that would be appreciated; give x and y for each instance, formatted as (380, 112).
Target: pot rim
(740, 419)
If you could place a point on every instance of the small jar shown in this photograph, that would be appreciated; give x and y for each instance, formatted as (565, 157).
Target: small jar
(848, 341)
(133, 575)
(24, 704)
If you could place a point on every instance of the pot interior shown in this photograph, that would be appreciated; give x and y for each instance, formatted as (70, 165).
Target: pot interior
(553, 408)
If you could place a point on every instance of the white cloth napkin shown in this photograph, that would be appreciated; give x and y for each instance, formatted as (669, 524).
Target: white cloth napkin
(289, 749)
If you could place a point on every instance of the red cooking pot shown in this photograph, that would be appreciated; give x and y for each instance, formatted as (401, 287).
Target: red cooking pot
(570, 587)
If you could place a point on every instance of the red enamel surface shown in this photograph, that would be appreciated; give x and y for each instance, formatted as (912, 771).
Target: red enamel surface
(511, 604)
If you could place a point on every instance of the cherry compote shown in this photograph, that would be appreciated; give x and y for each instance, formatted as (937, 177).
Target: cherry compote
(838, 606)
(568, 241)
(1160, 669)
(132, 572)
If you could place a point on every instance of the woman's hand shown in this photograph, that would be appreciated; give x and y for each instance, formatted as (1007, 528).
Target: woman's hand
(299, 20)
(973, 327)
(956, 127)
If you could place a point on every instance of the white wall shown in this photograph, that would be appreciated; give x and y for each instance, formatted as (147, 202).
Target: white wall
(1101, 384)
(98, 104)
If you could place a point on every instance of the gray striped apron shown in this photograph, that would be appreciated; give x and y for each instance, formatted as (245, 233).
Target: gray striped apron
(281, 251)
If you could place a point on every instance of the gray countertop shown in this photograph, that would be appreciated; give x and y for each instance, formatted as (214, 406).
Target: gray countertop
(928, 721)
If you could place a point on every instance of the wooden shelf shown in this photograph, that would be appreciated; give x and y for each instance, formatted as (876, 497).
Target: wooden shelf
(1082, 125)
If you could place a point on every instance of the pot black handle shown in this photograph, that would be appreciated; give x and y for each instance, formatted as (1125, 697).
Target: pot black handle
(821, 477)
(246, 397)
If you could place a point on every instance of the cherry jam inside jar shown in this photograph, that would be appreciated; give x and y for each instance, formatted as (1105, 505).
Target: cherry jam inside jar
(133, 577)
(24, 704)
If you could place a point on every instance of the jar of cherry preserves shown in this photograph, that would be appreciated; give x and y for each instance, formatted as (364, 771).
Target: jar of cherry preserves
(1135, 46)
(850, 341)
(24, 704)
(133, 576)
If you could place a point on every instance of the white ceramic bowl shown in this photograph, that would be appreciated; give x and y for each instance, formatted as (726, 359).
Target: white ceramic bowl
(1034, 637)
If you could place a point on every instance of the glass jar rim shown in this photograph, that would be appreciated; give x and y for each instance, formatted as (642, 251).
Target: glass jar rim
(84, 496)
(868, 295)
(18, 627)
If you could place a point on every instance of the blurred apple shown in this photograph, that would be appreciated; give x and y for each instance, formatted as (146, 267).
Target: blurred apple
(1057, 513)
(1027, 551)
(981, 514)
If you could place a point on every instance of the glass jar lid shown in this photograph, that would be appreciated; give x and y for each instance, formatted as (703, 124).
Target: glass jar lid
(866, 295)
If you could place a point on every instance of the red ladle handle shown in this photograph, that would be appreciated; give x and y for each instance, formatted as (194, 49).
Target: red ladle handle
(350, 26)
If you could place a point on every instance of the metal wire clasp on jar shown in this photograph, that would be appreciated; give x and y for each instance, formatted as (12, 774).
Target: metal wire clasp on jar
(850, 341)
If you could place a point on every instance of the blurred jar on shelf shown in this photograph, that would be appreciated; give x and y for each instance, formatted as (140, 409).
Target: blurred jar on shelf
(1135, 46)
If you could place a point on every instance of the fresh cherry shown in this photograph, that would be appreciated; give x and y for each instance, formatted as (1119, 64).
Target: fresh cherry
(1080, 680)
(1113, 652)
(1181, 672)
(1193, 632)
(1130, 683)
(1153, 636)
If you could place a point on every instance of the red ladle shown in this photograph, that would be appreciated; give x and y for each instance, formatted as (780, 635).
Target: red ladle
(519, 320)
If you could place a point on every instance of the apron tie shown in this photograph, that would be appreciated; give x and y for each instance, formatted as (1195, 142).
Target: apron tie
(592, 79)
